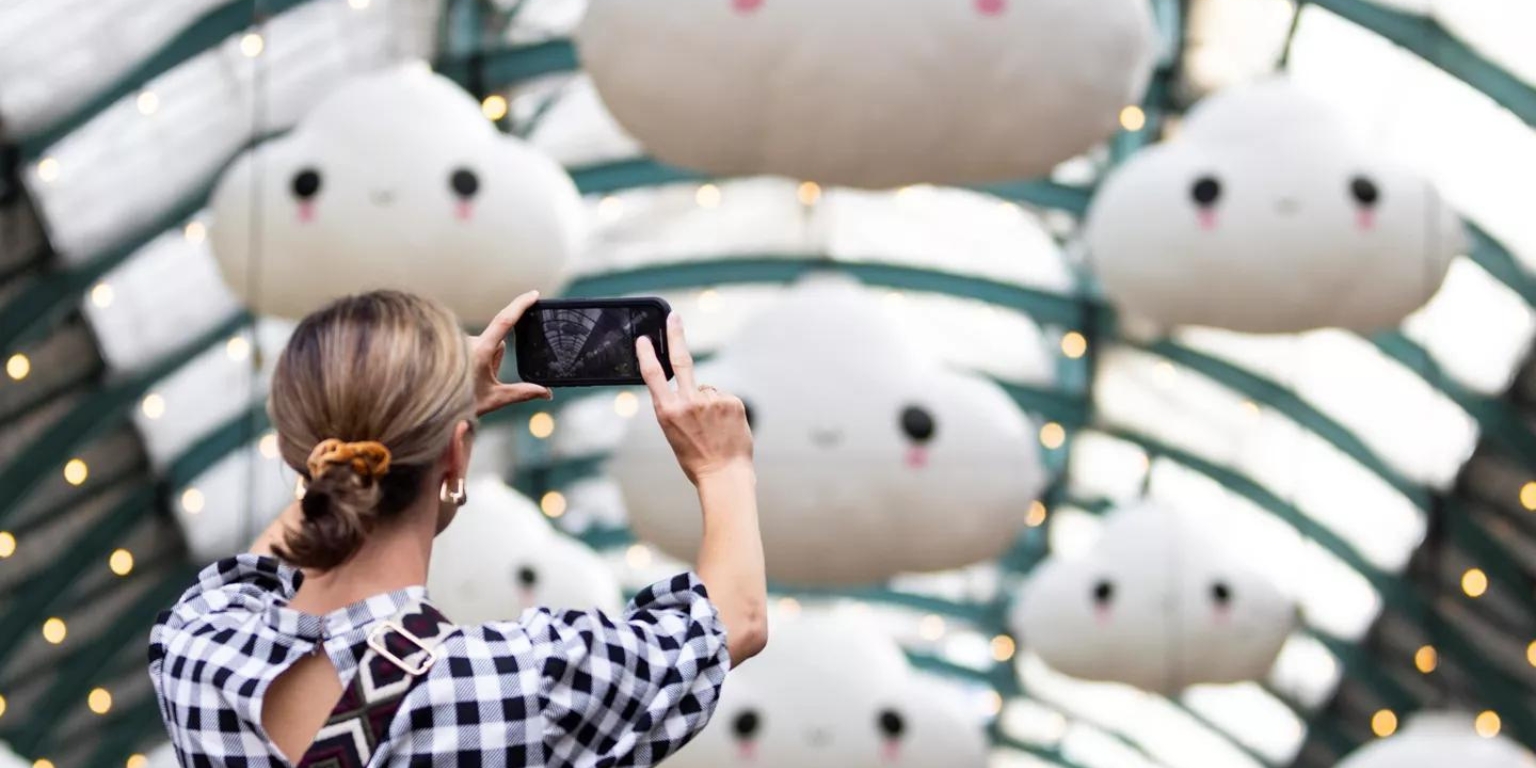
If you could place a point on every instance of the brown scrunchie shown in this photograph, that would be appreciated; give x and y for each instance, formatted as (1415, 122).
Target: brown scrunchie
(369, 459)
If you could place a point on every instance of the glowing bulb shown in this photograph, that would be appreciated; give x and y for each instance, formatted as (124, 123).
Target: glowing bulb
(18, 366)
(42, 763)
(1384, 723)
(709, 300)
(1002, 648)
(708, 196)
(1528, 496)
(48, 170)
(121, 562)
(1530, 650)
(102, 295)
(76, 471)
(2, 706)
(237, 348)
(494, 107)
(149, 103)
(994, 703)
(1132, 118)
(252, 45)
(610, 208)
(541, 425)
(789, 606)
(931, 627)
(1426, 659)
(192, 501)
(626, 404)
(1036, 516)
(894, 298)
(1488, 724)
(358, 5)
(1251, 407)
(1074, 345)
(1166, 371)
(808, 193)
(153, 406)
(8, 548)
(99, 700)
(1052, 435)
(268, 445)
(195, 232)
(553, 504)
(1474, 582)
(908, 194)
(137, 761)
(54, 630)
(638, 556)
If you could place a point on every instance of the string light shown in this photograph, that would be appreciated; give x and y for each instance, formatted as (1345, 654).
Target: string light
(1426, 659)
(268, 445)
(195, 232)
(708, 196)
(18, 366)
(931, 627)
(55, 630)
(1251, 407)
(1530, 653)
(42, 763)
(789, 606)
(1036, 515)
(252, 45)
(153, 406)
(48, 170)
(7, 544)
(541, 425)
(99, 700)
(1384, 723)
(237, 348)
(121, 562)
(994, 703)
(809, 192)
(2, 706)
(1132, 118)
(553, 504)
(494, 107)
(1002, 648)
(1528, 496)
(1488, 724)
(102, 295)
(358, 5)
(137, 761)
(1052, 435)
(149, 103)
(1074, 345)
(76, 471)
(626, 404)
(709, 300)
(192, 501)
(638, 556)
(610, 208)
(1474, 582)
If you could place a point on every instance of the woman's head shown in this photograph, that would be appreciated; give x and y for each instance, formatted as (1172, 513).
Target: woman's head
(386, 368)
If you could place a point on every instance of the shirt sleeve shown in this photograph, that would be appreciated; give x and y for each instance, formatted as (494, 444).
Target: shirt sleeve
(634, 690)
(229, 592)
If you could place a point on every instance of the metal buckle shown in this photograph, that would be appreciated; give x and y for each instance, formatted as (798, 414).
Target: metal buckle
(376, 642)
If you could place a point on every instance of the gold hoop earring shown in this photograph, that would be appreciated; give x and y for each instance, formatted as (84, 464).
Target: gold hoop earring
(456, 497)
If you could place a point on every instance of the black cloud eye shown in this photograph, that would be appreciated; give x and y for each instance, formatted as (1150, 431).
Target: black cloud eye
(1103, 593)
(1364, 191)
(891, 723)
(464, 182)
(917, 423)
(527, 577)
(1221, 594)
(1205, 191)
(306, 184)
(746, 724)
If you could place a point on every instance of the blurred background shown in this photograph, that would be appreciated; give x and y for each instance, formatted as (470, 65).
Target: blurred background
(1136, 382)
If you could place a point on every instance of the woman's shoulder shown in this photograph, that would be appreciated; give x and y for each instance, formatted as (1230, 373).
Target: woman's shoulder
(228, 593)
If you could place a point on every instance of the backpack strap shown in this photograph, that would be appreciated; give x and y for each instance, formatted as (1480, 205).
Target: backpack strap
(400, 651)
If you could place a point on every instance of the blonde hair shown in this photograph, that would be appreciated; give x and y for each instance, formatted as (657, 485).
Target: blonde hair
(383, 367)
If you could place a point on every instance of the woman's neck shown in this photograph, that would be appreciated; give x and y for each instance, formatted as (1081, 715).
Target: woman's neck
(391, 558)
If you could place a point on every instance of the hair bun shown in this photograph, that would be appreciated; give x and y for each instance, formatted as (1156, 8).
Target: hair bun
(369, 459)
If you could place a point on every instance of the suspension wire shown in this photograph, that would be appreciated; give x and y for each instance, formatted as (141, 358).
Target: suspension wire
(1284, 62)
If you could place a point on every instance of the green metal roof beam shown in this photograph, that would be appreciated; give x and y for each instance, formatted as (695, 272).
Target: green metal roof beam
(1497, 261)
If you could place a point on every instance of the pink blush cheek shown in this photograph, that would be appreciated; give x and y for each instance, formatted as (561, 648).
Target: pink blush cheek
(1365, 219)
(1101, 615)
(991, 7)
(890, 751)
(1207, 218)
(747, 6)
(917, 457)
(464, 211)
(747, 751)
(306, 212)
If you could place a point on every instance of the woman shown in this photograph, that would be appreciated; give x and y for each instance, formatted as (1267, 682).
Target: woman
(318, 647)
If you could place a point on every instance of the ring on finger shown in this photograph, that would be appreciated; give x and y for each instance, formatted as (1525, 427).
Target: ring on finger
(707, 388)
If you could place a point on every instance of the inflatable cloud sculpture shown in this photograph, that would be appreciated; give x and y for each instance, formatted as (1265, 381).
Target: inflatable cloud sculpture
(395, 180)
(869, 93)
(1266, 214)
(1436, 739)
(499, 558)
(1156, 604)
(872, 459)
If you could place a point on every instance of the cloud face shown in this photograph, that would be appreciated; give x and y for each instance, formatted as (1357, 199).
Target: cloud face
(1438, 739)
(1157, 605)
(1266, 214)
(499, 558)
(830, 692)
(395, 180)
(869, 93)
(872, 459)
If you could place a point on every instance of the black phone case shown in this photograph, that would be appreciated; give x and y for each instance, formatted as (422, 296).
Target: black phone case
(520, 338)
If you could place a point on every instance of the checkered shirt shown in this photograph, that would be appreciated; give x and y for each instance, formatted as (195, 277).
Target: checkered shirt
(555, 688)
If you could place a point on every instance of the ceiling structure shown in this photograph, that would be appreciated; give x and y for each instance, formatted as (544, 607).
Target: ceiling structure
(1386, 480)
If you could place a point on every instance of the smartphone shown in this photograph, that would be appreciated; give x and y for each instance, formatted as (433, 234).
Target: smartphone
(589, 342)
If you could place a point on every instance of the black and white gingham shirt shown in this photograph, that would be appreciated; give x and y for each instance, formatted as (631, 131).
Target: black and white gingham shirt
(565, 688)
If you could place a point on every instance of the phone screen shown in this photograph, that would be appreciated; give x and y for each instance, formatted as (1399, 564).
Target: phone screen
(579, 343)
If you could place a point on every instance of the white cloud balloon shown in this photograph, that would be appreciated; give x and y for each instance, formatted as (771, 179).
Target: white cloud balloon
(1156, 604)
(396, 180)
(872, 459)
(829, 691)
(9, 759)
(869, 93)
(1268, 214)
(1439, 739)
(499, 558)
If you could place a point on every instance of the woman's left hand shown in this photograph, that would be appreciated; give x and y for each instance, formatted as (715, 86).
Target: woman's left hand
(487, 349)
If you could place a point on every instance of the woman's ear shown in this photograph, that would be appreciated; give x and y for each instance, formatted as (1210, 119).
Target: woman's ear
(459, 449)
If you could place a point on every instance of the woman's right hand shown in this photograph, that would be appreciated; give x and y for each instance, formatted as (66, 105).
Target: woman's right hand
(706, 428)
